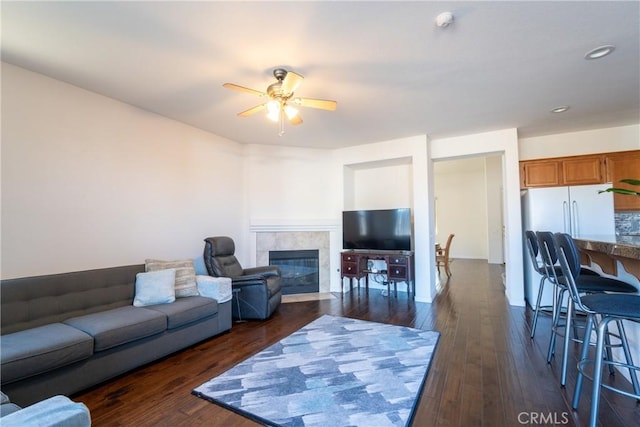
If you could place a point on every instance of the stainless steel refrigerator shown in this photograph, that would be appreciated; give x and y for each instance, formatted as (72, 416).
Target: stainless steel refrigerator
(578, 210)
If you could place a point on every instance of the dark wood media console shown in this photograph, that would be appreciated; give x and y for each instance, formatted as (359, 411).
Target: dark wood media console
(400, 268)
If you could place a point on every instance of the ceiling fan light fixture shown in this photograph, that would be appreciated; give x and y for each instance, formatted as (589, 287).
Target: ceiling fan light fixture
(280, 104)
(273, 110)
(290, 111)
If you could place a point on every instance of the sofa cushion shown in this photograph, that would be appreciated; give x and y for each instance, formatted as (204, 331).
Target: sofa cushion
(155, 287)
(119, 326)
(186, 310)
(185, 275)
(33, 351)
(28, 302)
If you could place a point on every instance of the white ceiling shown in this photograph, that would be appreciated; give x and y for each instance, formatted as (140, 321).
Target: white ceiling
(393, 72)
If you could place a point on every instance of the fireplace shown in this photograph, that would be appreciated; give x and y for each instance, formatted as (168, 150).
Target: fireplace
(290, 238)
(300, 270)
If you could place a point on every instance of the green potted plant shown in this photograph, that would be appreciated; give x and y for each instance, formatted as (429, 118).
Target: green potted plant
(624, 190)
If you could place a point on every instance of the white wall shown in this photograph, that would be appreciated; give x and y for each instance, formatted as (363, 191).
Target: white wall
(495, 209)
(288, 183)
(90, 182)
(461, 206)
(620, 138)
(382, 185)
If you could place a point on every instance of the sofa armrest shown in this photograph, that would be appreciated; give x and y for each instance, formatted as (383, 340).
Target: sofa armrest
(6, 407)
(248, 281)
(218, 288)
(57, 411)
(248, 278)
(264, 271)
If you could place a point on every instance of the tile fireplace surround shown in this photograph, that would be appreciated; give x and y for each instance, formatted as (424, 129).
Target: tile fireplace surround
(296, 240)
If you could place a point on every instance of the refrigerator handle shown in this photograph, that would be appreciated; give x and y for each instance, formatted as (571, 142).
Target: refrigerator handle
(565, 217)
(574, 220)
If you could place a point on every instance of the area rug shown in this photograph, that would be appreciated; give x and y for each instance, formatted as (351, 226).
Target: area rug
(334, 372)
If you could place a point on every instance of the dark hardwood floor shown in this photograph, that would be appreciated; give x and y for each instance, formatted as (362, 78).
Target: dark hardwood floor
(486, 370)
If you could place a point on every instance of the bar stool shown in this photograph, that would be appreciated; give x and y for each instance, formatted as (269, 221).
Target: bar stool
(585, 284)
(543, 271)
(532, 246)
(610, 308)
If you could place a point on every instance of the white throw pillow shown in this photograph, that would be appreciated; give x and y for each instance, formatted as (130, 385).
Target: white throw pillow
(218, 288)
(185, 275)
(155, 287)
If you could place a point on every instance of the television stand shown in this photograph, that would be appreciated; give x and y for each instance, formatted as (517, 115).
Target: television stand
(400, 268)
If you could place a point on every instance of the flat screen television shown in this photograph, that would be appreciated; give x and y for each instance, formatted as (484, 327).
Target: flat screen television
(379, 230)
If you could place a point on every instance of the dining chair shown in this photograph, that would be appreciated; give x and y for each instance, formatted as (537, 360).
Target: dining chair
(442, 257)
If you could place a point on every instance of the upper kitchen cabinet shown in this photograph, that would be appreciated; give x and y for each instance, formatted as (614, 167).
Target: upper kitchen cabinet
(540, 173)
(575, 170)
(582, 170)
(624, 165)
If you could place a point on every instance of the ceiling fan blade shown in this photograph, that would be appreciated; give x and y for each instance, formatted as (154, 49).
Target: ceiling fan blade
(244, 89)
(323, 104)
(296, 120)
(252, 110)
(291, 82)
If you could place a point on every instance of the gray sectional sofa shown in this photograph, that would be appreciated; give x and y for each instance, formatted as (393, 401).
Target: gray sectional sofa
(65, 332)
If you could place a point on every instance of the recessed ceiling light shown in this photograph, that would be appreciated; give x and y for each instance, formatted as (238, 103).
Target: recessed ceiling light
(560, 109)
(599, 52)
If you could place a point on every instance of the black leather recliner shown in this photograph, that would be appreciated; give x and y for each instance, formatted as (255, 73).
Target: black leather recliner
(257, 291)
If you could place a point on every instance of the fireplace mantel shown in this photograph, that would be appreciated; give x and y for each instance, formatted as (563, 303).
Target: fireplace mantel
(274, 226)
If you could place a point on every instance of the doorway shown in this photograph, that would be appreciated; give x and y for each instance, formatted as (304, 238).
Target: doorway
(468, 195)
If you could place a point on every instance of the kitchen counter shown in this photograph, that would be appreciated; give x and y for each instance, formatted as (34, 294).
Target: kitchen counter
(624, 246)
(607, 250)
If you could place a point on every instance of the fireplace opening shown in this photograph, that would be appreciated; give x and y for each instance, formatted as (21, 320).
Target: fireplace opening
(300, 270)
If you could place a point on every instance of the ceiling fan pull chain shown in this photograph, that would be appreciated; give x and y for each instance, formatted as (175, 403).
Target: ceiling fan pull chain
(281, 121)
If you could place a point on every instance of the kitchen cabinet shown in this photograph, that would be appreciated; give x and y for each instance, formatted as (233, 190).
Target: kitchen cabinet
(622, 165)
(562, 171)
(583, 170)
(540, 173)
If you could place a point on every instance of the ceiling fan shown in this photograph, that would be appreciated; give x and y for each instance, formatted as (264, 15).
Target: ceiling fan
(281, 104)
